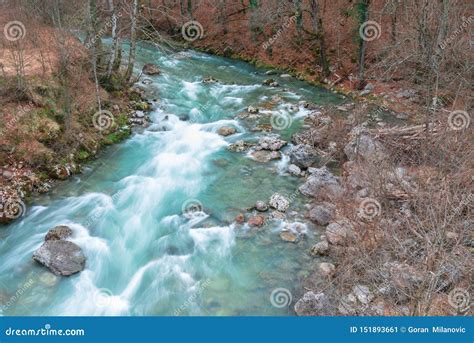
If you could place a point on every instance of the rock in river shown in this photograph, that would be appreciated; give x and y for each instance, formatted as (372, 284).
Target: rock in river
(57, 233)
(151, 69)
(226, 131)
(264, 156)
(261, 206)
(289, 236)
(256, 221)
(61, 257)
(270, 142)
(279, 202)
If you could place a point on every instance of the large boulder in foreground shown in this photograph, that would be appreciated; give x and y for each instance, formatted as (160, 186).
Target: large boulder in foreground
(60, 256)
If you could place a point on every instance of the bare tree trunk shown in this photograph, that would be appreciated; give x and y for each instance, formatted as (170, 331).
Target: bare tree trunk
(133, 41)
(113, 51)
(319, 31)
(363, 43)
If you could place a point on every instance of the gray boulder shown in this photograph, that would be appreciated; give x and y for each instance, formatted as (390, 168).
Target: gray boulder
(364, 147)
(320, 248)
(339, 232)
(270, 142)
(303, 155)
(265, 156)
(322, 214)
(61, 257)
(321, 182)
(261, 206)
(279, 202)
(293, 169)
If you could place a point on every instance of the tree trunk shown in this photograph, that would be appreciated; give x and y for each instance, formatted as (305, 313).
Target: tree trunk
(114, 48)
(319, 31)
(364, 16)
(133, 41)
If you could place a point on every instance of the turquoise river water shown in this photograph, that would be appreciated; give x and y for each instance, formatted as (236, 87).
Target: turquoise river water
(145, 255)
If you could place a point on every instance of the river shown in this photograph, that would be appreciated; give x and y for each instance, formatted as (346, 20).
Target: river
(147, 252)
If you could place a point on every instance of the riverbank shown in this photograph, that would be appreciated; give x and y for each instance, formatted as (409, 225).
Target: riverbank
(55, 118)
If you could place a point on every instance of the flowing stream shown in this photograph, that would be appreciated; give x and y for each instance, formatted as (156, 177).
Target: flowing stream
(145, 255)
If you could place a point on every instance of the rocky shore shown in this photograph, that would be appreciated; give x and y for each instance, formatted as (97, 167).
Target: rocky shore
(20, 180)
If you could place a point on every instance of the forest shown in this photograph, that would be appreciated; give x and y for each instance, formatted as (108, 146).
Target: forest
(236, 157)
